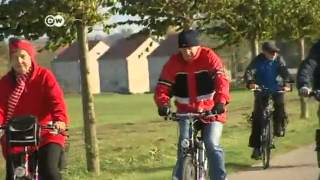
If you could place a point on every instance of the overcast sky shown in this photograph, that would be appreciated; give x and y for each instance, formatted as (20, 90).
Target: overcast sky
(117, 18)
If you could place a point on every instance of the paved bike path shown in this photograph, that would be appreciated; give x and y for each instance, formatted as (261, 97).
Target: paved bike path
(298, 164)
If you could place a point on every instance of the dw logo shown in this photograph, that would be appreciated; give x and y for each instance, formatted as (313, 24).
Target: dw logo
(56, 21)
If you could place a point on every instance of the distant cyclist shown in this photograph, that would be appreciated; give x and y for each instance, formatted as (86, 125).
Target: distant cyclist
(194, 76)
(267, 70)
(29, 89)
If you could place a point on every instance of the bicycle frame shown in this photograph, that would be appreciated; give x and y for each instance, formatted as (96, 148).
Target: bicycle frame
(193, 147)
(25, 164)
(317, 132)
(266, 136)
(26, 168)
(267, 132)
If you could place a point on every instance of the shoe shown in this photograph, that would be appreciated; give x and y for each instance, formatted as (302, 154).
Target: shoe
(256, 154)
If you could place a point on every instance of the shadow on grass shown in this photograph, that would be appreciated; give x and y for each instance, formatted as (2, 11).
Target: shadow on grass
(246, 167)
(291, 166)
(140, 169)
(238, 166)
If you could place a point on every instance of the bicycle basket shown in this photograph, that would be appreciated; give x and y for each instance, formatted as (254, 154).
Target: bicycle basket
(23, 131)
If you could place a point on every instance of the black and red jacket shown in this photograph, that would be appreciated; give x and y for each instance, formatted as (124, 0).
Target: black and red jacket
(196, 85)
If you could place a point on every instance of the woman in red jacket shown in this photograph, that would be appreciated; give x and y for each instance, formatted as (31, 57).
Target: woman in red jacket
(28, 89)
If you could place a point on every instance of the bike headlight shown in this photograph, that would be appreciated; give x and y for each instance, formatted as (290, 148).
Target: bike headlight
(185, 143)
(19, 171)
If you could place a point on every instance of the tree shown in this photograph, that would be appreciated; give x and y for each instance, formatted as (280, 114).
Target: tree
(157, 16)
(296, 20)
(26, 18)
(229, 21)
(3, 50)
(3, 58)
(252, 20)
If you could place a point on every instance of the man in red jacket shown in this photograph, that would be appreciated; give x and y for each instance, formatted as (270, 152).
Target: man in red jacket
(195, 78)
(28, 89)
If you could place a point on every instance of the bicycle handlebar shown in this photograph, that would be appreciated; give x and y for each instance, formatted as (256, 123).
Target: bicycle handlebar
(264, 89)
(54, 130)
(314, 93)
(48, 127)
(175, 116)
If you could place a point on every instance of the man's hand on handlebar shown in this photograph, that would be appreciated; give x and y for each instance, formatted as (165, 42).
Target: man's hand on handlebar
(252, 86)
(60, 125)
(219, 108)
(286, 88)
(304, 91)
(164, 111)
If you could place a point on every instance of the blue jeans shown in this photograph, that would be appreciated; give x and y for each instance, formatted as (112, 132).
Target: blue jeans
(211, 136)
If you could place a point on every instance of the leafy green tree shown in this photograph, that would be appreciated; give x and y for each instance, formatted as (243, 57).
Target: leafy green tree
(3, 58)
(157, 16)
(297, 20)
(26, 18)
(252, 20)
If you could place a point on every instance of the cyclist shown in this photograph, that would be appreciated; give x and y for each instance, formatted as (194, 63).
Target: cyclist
(194, 76)
(267, 70)
(308, 78)
(28, 89)
(309, 71)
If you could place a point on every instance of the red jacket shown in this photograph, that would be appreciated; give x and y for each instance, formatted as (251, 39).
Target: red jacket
(196, 85)
(42, 97)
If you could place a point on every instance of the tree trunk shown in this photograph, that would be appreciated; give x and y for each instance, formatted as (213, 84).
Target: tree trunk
(91, 142)
(254, 45)
(318, 114)
(304, 112)
(234, 62)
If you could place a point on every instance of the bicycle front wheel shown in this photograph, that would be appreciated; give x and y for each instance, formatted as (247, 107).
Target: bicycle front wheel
(188, 169)
(266, 144)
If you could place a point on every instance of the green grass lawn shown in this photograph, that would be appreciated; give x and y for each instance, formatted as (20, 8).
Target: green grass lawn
(135, 144)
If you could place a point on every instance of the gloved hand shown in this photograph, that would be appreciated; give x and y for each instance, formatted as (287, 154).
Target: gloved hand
(304, 91)
(164, 111)
(219, 108)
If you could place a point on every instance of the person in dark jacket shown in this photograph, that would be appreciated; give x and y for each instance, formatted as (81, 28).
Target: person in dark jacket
(308, 77)
(195, 78)
(267, 70)
(29, 89)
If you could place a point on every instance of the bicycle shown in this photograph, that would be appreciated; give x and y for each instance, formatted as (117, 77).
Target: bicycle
(316, 93)
(25, 132)
(267, 135)
(194, 166)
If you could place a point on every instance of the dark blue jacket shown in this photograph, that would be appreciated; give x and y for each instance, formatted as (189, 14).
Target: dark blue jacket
(309, 69)
(271, 74)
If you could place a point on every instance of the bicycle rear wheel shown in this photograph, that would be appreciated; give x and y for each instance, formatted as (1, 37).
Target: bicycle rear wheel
(266, 144)
(188, 169)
